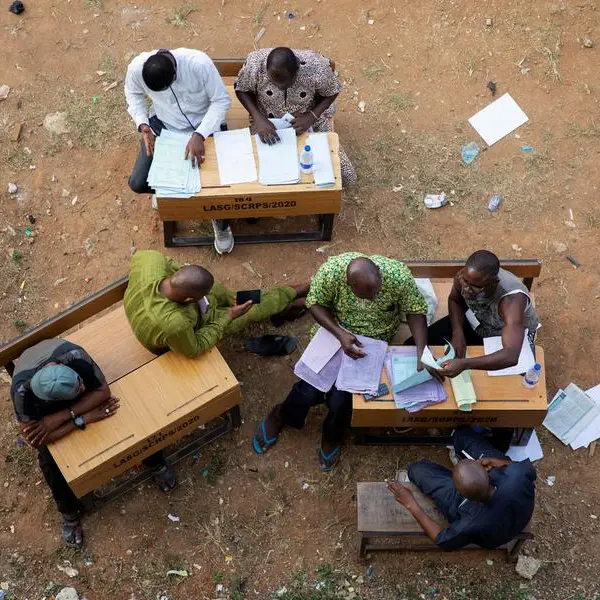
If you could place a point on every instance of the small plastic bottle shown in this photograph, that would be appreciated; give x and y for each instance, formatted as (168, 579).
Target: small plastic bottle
(532, 377)
(495, 201)
(306, 160)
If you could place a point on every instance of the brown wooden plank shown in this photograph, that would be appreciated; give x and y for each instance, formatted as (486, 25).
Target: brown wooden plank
(501, 402)
(65, 320)
(111, 343)
(229, 67)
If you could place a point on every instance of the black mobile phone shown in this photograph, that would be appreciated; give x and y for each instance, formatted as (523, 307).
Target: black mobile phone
(245, 295)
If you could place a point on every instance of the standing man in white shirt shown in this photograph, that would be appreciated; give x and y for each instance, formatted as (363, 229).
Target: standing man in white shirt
(188, 96)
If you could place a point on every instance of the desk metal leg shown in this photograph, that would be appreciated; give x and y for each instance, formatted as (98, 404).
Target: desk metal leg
(169, 230)
(327, 227)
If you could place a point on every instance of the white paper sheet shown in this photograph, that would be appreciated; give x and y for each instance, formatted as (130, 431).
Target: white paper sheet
(362, 375)
(526, 358)
(592, 431)
(325, 379)
(235, 156)
(320, 350)
(532, 451)
(278, 164)
(498, 119)
(322, 165)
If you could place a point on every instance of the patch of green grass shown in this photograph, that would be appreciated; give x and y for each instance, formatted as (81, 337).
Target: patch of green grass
(373, 71)
(576, 130)
(260, 14)
(215, 468)
(400, 102)
(16, 257)
(219, 577)
(94, 3)
(20, 324)
(179, 17)
(324, 586)
(504, 592)
(15, 157)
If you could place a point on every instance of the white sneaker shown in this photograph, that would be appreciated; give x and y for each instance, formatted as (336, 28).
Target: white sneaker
(223, 239)
(154, 202)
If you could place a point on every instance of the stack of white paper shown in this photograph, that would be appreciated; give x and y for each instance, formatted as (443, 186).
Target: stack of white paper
(362, 375)
(592, 431)
(532, 451)
(526, 358)
(278, 164)
(235, 156)
(171, 175)
(570, 413)
(322, 165)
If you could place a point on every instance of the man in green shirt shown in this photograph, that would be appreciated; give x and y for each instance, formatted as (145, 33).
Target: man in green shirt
(183, 309)
(351, 294)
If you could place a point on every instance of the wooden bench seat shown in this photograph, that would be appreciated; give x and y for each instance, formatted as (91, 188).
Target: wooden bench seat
(379, 515)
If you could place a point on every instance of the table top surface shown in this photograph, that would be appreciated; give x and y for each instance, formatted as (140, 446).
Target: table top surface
(501, 393)
(211, 183)
(153, 397)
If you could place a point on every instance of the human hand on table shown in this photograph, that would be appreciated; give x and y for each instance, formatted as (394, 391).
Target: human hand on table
(267, 132)
(452, 368)
(195, 149)
(401, 493)
(239, 309)
(459, 344)
(303, 122)
(36, 433)
(351, 345)
(105, 410)
(148, 137)
(435, 373)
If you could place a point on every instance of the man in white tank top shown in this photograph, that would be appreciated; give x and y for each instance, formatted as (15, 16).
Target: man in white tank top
(485, 301)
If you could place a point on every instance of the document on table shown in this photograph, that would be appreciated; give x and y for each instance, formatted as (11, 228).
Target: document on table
(278, 164)
(592, 432)
(532, 451)
(322, 165)
(320, 350)
(463, 390)
(170, 174)
(570, 413)
(235, 156)
(325, 378)
(362, 375)
(498, 119)
(526, 358)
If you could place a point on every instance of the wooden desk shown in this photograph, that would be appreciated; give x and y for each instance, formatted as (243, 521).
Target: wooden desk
(501, 402)
(252, 200)
(161, 401)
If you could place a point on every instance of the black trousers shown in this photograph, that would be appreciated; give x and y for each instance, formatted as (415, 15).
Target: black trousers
(66, 501)
(440, 331)
(435, 480)
(304, 396)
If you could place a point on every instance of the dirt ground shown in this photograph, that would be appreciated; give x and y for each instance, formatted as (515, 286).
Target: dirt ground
(247, 527)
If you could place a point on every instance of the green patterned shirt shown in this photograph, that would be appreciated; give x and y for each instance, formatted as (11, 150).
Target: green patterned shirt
(379, 318)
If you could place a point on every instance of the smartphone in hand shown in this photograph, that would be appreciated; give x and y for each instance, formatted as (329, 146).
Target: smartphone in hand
(244, 295)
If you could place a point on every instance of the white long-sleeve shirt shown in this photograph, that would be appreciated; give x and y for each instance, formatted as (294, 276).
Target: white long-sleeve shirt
(198, 87)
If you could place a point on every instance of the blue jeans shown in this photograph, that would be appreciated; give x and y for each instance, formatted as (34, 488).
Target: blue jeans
(138, 180)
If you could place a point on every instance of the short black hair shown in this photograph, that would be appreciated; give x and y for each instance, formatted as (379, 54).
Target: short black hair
(282, 59)
(484, 262)
(158, 72)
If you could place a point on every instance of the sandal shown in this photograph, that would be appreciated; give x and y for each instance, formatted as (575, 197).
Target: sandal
(165, 478)
(72, 531)
(328, 461)
(267, 443)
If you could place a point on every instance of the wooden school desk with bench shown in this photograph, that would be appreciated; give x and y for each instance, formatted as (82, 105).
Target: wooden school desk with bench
(502, 402)
(163, 398)
(251, 200)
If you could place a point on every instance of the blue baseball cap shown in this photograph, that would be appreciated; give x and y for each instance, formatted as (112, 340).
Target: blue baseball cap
(56, 382)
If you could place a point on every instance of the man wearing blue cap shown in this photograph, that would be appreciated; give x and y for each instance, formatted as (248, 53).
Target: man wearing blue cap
(57, 389)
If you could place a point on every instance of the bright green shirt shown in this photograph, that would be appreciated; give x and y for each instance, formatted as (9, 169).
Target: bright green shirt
(379, 318)
(159, 323)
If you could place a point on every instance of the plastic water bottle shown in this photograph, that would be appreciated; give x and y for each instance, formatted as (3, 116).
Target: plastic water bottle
(532, 377)
(494, 203)
(306, 160)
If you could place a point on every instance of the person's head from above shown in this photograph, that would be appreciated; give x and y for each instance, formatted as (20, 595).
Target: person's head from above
(364, 277)
(160, 71)
(282, 67)
(190, 284)
(56, 382)
(472, 481)
(479, 277)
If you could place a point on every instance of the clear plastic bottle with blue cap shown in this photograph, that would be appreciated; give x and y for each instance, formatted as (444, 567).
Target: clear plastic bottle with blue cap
(532, 377)
(306, 160)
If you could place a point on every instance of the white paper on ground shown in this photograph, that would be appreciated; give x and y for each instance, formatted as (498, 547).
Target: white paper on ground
(278, 164)
(320, 350)
(532, 451)
(592, 432)
(526, 358)
(235, 156)
(362, 375)
(498, 119)
(322, 165)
